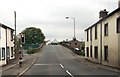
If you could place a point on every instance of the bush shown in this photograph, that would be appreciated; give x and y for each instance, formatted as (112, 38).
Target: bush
(31, 51)
(82, 52)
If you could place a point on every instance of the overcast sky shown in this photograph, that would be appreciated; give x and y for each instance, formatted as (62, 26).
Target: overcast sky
(49, 15)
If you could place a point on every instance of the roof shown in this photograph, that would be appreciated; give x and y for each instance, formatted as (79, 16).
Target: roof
(4, 26)
(116, 10)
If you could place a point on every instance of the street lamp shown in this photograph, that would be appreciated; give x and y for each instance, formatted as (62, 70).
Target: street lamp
(74, 38)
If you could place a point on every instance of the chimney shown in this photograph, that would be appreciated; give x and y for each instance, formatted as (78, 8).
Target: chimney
(118, 3)
(103, 13)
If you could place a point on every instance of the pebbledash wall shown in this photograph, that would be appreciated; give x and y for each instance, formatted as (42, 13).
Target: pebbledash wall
(6, 44)
(102, 44)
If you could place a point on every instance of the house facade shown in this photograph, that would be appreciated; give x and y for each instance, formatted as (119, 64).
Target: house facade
(6, 44)
(102, 42)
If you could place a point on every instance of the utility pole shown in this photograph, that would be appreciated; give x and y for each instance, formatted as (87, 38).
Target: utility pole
(15, 22)
(15, 45)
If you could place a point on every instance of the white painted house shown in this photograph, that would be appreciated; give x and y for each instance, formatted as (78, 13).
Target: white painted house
(102, 44)
(6, 44)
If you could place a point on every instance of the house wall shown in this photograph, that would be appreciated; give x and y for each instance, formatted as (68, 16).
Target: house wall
(10, 43)
(3, 45)
(112, 41)
(95, 42)
(119, 50)
(0, 47)
(87, 43)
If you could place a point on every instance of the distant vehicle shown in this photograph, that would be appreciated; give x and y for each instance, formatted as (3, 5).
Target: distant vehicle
(54, 43)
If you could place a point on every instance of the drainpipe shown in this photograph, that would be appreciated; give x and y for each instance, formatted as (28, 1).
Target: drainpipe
(100, 42)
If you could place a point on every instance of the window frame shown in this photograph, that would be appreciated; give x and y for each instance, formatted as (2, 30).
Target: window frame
(96, 35)
(3, 54)
(106, 29)
(12, 51)
(87, 35)
(91, 53)
(106, 53)
(96, 54)
(118, 25)
(87, 51)
(11, 34)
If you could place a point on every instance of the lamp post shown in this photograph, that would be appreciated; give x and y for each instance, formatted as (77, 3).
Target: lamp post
(74, 38)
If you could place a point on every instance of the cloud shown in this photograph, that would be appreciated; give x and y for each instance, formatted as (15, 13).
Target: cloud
(49, 15)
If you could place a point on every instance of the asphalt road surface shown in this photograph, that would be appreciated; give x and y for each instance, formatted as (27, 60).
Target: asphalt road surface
(58, 60)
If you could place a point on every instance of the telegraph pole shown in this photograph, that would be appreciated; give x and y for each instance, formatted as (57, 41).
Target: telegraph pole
(15, 40)
(15, 22)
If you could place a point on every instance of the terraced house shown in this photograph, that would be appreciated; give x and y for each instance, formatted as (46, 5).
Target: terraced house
(102, 44)
(6, 44)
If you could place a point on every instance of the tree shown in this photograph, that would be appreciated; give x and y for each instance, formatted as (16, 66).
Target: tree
(33, 37)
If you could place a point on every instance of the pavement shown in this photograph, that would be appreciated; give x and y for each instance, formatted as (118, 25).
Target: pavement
(29, 60)
(14, 69)
(86, 61)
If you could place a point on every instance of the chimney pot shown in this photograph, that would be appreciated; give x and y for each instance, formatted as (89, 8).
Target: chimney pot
(103, 13)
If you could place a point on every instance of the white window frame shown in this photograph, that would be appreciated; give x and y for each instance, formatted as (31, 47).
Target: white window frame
(3, 55)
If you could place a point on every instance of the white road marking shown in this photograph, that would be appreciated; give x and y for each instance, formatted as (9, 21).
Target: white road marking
(61, 66)
(45, 64)
(26, 69)
(69, 73)
(56, 64)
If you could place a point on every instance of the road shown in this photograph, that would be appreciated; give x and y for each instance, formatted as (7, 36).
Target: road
(58, 60)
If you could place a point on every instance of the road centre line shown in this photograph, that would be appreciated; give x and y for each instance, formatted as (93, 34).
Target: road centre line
(61, 66)
(69, 73)
(66, 70)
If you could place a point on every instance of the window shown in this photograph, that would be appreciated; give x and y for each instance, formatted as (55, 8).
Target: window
(96, 52)
(11, 35)
(91, 34)
(8, 52)
(106, 29)
(118, 25)
(96, 32)
(3, 53)
(106, 53)
(12, 53)
(90, 51)
(87, 51)
(87, 35)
